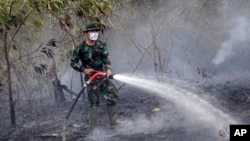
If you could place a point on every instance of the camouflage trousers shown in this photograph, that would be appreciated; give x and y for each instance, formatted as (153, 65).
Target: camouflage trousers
(105, 88)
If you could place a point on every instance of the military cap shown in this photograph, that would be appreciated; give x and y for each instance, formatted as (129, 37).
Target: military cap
(91, 26)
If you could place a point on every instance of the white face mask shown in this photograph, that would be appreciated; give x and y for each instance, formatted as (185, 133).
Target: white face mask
(93, 36)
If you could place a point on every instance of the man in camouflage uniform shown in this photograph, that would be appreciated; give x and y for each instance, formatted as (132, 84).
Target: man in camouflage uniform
(94, 56)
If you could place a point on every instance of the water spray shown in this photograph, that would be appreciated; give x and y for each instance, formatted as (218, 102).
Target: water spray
(184, 98)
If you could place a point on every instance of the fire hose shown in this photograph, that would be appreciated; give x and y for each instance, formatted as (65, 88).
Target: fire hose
(97, 74)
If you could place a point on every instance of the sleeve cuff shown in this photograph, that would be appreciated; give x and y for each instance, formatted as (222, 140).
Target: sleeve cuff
(107, 67)
(82, 69)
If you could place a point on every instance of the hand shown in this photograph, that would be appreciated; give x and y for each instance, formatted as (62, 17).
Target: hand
(108, 72)
(88, 71)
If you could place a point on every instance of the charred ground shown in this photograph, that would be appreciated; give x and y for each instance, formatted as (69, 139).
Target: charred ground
(45, 123)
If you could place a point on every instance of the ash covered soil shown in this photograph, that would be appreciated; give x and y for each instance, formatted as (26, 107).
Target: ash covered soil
(144, 116)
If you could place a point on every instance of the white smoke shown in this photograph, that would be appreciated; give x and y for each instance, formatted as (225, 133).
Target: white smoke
(188, 112)
(237, 35)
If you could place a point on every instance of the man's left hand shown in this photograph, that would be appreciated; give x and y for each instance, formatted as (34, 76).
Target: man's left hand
(108, 71)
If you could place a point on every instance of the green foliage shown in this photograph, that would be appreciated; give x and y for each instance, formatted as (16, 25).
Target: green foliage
(13, 14)
(8, 17)
(94, 9)
(38, 22)
(55, 6)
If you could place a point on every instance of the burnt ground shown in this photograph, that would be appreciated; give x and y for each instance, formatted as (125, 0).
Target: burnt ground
(45, 121)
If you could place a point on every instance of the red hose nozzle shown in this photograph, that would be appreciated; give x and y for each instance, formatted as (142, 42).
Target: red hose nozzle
(100, 74)
(93, 77)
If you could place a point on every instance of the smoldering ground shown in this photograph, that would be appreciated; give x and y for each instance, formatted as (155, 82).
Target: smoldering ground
(167, 43)
(184, 36)
(184, 114)
(172, 42)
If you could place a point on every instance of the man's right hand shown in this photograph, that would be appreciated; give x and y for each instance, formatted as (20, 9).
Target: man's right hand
(88, 71)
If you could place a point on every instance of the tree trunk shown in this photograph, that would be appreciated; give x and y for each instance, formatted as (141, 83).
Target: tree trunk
(58, 91)
(12, 106)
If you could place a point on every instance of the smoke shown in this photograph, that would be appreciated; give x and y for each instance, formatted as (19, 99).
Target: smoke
(210, 35)
(187, 112)
(188, 35)
(238, 34)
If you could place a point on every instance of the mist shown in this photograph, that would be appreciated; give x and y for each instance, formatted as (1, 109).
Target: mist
(184, 57)
(211, 36)
(189, 35)
(172, 41)
(183, 112)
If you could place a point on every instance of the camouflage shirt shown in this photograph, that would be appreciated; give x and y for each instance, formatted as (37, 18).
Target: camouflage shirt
(95, 57)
